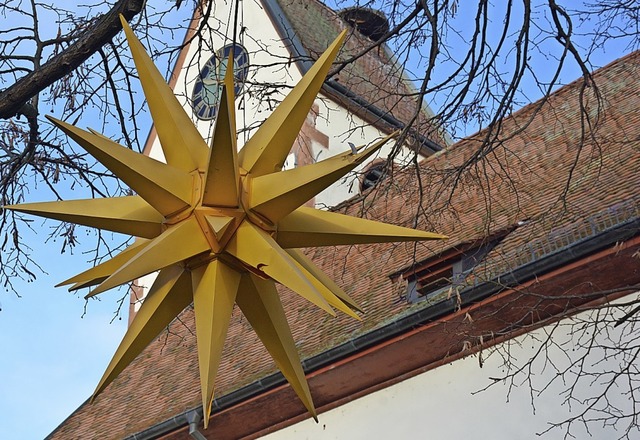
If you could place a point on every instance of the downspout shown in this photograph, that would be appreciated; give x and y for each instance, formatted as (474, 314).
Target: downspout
(193, 418)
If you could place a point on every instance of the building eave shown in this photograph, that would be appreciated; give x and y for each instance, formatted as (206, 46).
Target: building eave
(430, 337)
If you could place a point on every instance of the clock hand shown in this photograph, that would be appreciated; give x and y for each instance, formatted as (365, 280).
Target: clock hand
(210, 81)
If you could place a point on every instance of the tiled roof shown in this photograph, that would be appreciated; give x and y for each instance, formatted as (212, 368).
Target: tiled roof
(375, 77)
(518, 183)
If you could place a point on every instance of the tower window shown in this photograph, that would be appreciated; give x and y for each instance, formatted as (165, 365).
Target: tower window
(372, 175)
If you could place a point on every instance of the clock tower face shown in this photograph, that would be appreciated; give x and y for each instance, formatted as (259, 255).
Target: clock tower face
(208, 86)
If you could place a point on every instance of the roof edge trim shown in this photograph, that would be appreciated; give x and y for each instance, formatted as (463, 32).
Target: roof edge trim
(283, 26)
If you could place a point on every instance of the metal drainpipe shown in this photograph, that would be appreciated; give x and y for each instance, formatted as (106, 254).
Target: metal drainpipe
(193, 418)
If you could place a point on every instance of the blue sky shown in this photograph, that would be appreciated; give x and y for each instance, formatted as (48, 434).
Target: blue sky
(53, 351)
(52, 355)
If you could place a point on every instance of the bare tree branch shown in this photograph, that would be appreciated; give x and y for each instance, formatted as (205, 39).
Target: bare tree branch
(14, 100)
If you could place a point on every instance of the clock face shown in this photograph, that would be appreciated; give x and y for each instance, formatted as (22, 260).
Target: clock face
(208, 86)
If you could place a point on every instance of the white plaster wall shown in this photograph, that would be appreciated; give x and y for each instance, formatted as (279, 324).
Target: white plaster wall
(343, 128)
(445, 403)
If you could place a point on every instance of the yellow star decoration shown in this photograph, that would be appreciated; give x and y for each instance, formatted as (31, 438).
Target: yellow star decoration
(221, 227)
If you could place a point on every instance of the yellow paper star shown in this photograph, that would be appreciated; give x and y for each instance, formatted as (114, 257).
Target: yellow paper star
(221, 227)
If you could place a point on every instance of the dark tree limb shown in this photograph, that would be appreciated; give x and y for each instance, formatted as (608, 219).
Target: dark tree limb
(14, 100)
